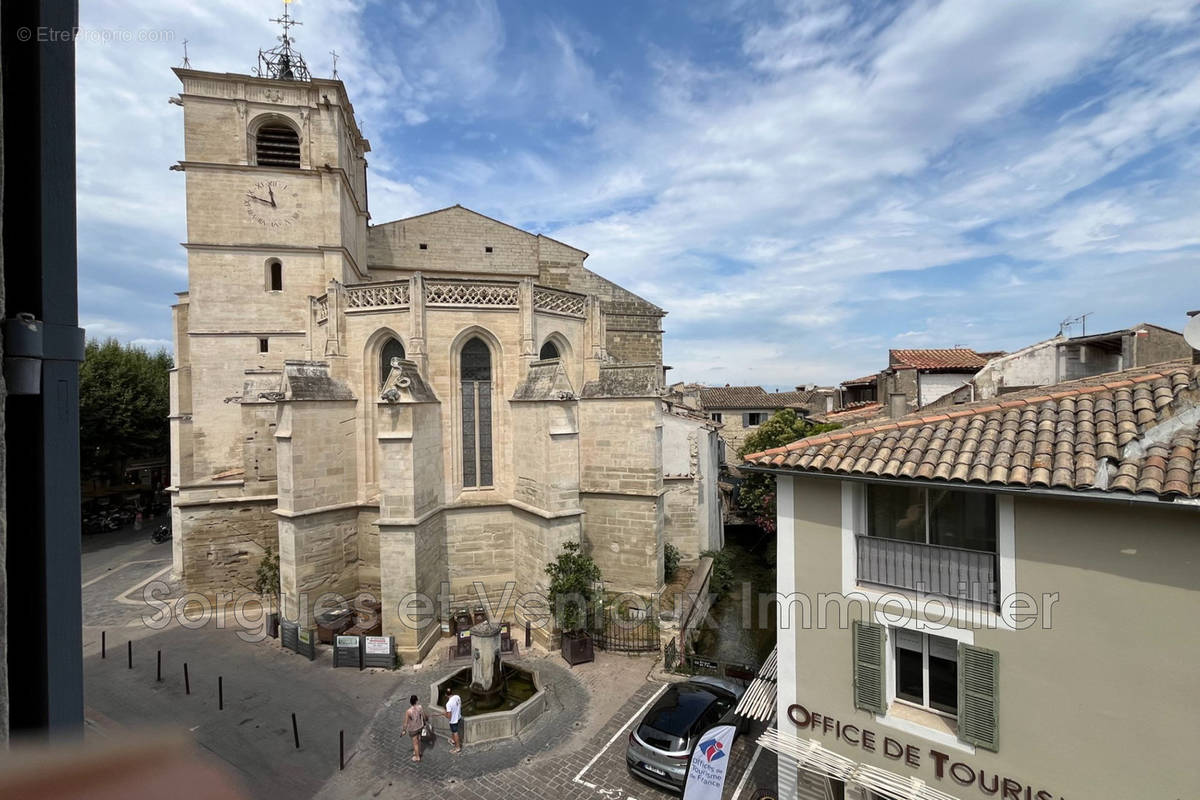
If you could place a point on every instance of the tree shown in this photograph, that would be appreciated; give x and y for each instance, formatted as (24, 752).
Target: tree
(124, 400)
(573, 578)
(756, 496)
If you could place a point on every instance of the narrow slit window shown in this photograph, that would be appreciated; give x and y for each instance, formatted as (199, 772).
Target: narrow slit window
(264, 345)
(275, 269)
(476, 368)
(277, 145)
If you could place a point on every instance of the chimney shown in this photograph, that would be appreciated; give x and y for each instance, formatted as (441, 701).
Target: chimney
(897, 404)
(1191, 334)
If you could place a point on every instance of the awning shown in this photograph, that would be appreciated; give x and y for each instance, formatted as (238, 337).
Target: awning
(812, 757)
(758, 703)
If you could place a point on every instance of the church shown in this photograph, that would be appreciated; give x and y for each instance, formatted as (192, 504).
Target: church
(436, 402)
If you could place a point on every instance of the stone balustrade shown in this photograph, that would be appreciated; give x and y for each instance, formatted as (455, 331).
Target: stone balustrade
(556, 301)
(452, 292)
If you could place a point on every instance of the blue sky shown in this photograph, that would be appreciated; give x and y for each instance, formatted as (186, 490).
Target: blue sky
(802, 185)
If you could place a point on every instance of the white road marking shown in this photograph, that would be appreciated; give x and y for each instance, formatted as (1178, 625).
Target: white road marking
(746, 775)
(638, 715)
(109, 573)
(123, 596)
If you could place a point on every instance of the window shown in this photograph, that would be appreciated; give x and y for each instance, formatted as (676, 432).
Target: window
(422, 246)
(487, 248)
(392, 348)
(926, 670)
(965, 520)
(263, 345)
(476, 367)
(277, 145)
(549, 350)
(753, 418)
(275, 275)
(715, 416)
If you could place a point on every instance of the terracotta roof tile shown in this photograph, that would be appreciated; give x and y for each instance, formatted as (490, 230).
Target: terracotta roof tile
(1063, 436)
(951, 358)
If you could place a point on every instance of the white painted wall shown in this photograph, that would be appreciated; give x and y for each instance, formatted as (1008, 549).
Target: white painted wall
(932, 385)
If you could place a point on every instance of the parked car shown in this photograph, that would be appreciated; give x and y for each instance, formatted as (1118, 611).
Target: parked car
(659, 745)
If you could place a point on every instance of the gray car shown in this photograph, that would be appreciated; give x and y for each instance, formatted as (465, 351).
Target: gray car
(660, 744)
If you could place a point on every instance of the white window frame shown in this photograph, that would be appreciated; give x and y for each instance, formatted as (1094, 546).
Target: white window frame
(854, 523)
(925, 705)
(960, 635)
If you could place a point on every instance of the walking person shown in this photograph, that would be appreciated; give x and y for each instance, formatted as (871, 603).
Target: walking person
(454, 714)
(414, 723)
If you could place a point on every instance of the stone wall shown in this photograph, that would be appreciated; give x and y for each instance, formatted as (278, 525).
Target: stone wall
(221, 543)
(624, 536)
(318, 555)
(456, 240)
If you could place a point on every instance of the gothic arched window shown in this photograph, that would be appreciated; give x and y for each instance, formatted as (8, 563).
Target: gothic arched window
(549, 350)
(476, 361)
(391, 349)
(277, 145)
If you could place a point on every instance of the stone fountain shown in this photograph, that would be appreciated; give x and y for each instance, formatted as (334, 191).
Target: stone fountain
(499, 700)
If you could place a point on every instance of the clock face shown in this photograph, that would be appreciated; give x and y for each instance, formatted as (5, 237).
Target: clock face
(272, 204)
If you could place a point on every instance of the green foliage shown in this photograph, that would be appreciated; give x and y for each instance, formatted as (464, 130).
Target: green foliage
(124, 400)
(720, 582)
(756, 496)
(573, 579)
(266, 580)
(670, 560)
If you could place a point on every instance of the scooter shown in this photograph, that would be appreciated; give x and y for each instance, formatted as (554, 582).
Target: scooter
(161, 534)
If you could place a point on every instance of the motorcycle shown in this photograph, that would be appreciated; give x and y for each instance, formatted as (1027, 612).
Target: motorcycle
(161, 534)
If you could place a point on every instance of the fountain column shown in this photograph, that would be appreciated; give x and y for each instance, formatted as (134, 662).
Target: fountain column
(485, 659)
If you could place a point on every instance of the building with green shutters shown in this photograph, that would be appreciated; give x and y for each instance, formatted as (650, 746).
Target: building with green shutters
(998, 600)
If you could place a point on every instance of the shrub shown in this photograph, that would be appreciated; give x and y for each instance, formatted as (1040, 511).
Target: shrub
(721, 580)
(670, 560)
(756, 496)
(266, 580)
(573, 578)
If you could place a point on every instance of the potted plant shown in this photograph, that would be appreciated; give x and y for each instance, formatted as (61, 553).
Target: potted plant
(266, 584)
(573, 580)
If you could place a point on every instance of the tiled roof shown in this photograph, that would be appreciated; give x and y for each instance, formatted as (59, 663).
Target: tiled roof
(953, 358)
(865, 379)
(852, 413)
(718, 397)
(732, 397)
(1136, 431)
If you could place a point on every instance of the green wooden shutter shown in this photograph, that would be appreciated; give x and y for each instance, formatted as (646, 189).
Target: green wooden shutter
(868, 667)
(978, 687)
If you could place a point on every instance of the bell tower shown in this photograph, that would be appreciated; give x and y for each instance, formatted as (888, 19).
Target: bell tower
(276, 205)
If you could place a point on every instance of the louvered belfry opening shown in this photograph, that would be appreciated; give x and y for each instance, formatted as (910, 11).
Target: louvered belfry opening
(277, 146)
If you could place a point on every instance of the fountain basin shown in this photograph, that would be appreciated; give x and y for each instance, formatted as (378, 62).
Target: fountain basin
(514, 708)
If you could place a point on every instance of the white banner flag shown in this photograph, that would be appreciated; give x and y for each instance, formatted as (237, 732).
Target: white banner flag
(710, 759)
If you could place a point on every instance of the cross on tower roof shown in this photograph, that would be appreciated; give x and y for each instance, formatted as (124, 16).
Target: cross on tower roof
(282, 62)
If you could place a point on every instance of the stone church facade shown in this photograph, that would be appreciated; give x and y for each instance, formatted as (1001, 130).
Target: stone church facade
(439, 400)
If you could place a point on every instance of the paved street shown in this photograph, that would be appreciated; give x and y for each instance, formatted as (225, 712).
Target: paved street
(576, 750)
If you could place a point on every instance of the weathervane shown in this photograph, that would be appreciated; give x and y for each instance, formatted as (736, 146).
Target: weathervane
(186, 63)
(282, 62)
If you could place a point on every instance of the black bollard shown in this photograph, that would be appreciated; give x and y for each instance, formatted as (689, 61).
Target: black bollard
(129, 651)
(158, 674)
(220, 693)
(187, 684)
(341, 750)
(103, 654)
(295, 731)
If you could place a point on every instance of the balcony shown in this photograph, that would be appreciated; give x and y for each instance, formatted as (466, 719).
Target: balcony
(952, 572)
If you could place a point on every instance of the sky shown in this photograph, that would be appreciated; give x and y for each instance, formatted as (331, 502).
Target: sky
(801, 185)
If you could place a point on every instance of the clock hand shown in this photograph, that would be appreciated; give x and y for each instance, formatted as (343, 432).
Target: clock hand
(259, 199)
(272, 191)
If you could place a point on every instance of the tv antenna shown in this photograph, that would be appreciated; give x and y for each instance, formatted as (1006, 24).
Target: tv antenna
(335, 58)
(186, 63)
(1071, 322)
